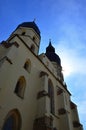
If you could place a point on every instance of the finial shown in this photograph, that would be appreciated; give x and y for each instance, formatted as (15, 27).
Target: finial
(50, 42)
(34, 20)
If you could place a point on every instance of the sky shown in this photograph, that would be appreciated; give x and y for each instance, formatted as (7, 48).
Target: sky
(62, 21)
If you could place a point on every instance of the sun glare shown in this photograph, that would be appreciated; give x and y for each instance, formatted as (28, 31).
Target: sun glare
(67, 69)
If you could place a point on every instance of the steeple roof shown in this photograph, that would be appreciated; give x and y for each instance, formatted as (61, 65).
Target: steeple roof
(50, 48)
(52, 56)
(30, 25)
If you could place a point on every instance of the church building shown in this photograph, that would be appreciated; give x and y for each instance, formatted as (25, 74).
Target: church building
(33, 93)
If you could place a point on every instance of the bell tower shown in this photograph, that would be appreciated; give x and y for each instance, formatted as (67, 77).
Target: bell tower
(55, 59)
(30, 34)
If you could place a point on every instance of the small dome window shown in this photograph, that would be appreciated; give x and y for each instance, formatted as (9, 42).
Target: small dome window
(32, 47)
(23, 33)
(34, 38)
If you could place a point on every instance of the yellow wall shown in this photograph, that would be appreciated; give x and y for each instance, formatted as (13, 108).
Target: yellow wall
(30, 107)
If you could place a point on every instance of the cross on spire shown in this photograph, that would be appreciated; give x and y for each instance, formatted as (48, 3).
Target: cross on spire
(34, 19)
(49, 41)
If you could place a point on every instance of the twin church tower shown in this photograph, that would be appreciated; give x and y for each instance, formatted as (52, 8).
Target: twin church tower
(33, 94)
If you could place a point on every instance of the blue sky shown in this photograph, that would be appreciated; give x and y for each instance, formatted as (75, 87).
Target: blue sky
(62, 21)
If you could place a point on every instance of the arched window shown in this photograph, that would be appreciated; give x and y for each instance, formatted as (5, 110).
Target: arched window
(20, 87)
(32, 47)
(51, 95)
(12, 121)
(27, 65)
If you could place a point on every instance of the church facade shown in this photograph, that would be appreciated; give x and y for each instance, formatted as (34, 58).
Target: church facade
(33, 93)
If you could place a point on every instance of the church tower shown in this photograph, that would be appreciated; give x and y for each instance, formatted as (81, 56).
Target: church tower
(30, 34)
(55, 59)
(33, 93)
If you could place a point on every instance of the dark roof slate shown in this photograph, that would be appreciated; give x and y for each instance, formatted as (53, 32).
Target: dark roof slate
(52, 56)
(30, 25)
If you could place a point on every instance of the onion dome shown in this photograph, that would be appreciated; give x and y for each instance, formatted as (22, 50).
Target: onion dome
(52, 56)
(30, 25)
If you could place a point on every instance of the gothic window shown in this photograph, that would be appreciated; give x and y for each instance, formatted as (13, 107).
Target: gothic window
(20, 87)
(32, 47)
(27, 65)
(12, 121)
(51, 95)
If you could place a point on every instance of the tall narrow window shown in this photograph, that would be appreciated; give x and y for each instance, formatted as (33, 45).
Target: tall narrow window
(51, 95)
(20, 87)
(32, 47)
(34, 38)
(27, 65)
(13, 121)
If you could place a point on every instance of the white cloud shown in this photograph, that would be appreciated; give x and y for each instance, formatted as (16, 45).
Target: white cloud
(72, 59)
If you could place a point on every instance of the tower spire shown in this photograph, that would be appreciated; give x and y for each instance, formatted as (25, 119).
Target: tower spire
(49, 42)
(34, 20)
